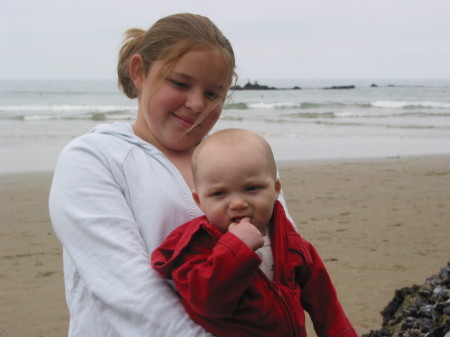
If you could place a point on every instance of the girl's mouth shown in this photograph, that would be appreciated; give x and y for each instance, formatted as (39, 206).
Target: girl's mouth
(185, 121)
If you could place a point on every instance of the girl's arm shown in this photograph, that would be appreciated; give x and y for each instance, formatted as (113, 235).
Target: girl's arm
(110, 275)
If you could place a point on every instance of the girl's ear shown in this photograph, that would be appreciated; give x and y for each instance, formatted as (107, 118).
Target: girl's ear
(137, 70)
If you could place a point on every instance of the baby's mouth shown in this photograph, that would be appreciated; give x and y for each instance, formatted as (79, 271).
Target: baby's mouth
(238, 219)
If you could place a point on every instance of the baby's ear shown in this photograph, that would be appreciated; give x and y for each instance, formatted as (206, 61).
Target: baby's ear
(277, 187)
(196, 198)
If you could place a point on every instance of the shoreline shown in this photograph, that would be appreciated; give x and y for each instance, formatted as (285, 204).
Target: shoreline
(379, 224)
(41, 155)
(34, 150)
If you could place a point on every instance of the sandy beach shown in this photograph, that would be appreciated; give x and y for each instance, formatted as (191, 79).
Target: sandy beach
(379, 225)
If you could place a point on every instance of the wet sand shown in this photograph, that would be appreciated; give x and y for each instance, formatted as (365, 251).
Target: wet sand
(379, 225)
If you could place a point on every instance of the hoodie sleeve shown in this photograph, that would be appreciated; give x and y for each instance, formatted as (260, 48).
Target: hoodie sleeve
(110, 284)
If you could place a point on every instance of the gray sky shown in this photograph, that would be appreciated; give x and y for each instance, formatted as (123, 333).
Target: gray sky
(276, 39)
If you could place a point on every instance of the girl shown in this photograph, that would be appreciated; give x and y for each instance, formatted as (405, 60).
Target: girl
(115, 189)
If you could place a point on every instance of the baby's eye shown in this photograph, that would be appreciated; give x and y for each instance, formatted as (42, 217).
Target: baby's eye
(218, 194)
(253, 188)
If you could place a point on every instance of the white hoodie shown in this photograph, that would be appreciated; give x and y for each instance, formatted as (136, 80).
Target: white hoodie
(114, 198)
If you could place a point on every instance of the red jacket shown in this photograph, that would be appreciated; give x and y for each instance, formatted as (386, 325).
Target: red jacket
(223, 289)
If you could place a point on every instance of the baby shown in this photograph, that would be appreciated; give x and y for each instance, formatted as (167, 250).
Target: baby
(242, 269)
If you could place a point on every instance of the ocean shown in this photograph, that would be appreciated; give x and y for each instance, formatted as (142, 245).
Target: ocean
(321, 119)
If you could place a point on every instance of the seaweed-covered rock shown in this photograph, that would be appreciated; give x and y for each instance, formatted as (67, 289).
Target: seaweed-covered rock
(419, 311)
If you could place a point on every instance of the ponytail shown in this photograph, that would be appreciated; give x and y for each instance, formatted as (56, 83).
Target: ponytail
(130, 46)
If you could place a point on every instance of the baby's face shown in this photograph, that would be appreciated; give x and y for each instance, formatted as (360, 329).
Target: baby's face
(234, 183)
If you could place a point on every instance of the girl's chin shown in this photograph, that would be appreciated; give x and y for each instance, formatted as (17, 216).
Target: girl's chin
(184, 143)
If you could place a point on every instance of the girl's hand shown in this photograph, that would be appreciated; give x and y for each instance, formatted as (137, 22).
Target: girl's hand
(248, 233)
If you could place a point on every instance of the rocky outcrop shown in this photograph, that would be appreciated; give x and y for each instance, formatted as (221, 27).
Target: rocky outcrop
(256, 86)
(419, 311)
(253, 86)
(340, 87)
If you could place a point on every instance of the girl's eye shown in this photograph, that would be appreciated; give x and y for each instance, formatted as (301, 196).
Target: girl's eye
(218, 194)
(178, 84)
(212, 95)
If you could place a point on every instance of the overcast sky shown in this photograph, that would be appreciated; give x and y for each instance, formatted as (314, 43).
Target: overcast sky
(272, 39)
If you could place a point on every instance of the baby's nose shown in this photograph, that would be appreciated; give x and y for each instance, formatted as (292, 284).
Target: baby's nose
(238, 202)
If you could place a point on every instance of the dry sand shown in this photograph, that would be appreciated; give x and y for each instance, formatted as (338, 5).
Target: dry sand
(379, 225)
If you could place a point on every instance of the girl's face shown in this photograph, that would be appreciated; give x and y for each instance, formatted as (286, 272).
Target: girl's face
(189, 89)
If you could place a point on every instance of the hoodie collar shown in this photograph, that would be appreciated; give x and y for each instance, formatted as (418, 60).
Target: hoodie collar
(124, 131)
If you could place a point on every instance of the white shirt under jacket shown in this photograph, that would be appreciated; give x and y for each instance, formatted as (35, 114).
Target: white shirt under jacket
(113, 200)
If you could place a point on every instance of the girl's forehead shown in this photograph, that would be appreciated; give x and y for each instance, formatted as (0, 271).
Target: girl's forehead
(207, 62)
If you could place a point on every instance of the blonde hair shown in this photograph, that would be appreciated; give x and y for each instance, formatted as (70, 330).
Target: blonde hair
(234, 137)
(167, 41)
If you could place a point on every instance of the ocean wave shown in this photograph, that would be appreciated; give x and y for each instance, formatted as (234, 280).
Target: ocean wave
(66, 108)
(410, 104)
(378, 114)
(362, 114)
(312, 115)
(331, 106)
(67, 112)
(99, 116)
(235, 106)
(68, 92)
(281, 105)
(386, 126)
(282, 111)
(338, 105)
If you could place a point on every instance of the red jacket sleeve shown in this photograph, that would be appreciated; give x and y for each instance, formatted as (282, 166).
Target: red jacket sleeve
(210, 274)
(319, 298)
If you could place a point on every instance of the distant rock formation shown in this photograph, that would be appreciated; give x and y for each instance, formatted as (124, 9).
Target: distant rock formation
(341, 87)
(256, 86)
(253, 86)
(419, 311)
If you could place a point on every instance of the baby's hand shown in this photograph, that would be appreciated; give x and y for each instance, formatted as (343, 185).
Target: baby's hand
(248, 233)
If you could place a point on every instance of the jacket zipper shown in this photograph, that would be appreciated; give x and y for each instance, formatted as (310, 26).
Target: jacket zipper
(277, 290)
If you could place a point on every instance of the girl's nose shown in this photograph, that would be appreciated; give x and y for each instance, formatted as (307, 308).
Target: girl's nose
(195, 101)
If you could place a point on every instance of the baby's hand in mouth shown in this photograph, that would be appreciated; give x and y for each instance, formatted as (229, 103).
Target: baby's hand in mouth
(247, 232)
(238, 219)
